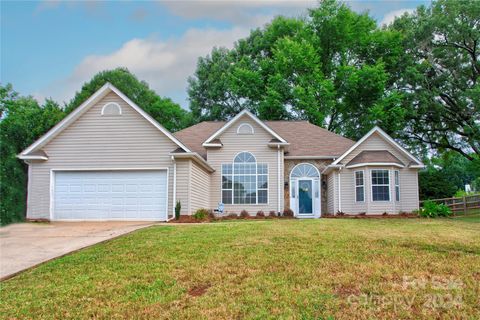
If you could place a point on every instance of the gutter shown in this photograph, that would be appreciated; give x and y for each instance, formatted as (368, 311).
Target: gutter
(331, 167)
(310, 157)
(278, 180)
(25, 157)
(195, 156)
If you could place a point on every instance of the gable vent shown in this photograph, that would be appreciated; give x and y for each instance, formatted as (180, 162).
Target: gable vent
(245, 128)
(111, 109)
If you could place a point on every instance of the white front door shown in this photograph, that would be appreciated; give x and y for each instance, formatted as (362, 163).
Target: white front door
(110, 195)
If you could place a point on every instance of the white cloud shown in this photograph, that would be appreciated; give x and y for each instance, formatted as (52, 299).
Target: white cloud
(164, 64)
(390, 16)
(246, 13)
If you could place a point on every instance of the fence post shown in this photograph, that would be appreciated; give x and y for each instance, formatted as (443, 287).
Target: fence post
(464, 205)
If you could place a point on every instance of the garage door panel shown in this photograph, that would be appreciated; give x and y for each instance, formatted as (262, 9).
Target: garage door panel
(104, 195)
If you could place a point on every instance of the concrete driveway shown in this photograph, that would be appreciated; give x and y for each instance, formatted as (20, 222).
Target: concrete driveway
(24, 245)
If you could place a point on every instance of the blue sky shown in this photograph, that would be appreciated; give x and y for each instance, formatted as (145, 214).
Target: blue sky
(49, 48)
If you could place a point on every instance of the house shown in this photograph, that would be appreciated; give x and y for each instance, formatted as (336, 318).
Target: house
(109, 160)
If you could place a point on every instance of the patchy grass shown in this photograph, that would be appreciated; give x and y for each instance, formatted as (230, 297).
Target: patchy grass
(327, 268)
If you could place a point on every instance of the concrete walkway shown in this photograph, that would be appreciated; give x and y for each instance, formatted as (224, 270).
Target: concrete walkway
(24, 245)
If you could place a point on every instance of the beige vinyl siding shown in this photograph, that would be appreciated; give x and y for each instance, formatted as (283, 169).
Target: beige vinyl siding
(347, 182)
(257, 144)
(96, 141)
(409, 200)
(331, 190)
(183, 185)
(200, 188)
(408, 182)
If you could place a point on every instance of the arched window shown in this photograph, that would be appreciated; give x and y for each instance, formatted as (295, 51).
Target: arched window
(304, 170)
(245, 181)
(244, 157)
(111, 109)
(245, 128)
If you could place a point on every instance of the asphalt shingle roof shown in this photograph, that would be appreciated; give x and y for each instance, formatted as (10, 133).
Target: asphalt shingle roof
(305, 139)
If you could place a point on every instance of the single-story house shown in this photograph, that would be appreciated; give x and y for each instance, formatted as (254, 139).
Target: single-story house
(109, 160)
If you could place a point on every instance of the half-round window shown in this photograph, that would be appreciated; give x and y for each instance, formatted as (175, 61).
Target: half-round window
(111, 109)
(244, 157)
(245, 128)
(304, 170)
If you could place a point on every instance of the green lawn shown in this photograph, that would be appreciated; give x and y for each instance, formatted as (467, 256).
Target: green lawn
(326, 268)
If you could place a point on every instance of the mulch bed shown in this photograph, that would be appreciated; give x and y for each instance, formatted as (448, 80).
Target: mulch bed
(373, 216)
(191, 219)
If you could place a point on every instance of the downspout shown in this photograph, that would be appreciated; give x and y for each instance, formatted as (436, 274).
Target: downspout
(174, 188)
(278, 179)
(339, 191)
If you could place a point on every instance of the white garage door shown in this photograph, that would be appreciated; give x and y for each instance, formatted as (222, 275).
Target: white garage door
(110, 195)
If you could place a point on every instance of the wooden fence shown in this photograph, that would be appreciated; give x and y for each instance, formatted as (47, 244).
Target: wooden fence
(462, 205)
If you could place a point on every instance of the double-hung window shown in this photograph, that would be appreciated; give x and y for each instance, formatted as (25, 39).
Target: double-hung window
(397, 185)
(380, 185)
(359, 186)
(245, 181)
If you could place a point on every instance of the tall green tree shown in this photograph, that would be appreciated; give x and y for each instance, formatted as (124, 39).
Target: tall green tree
(441, 75)
(164, 110)
(447, 174)
(333, 68)
(23, 121)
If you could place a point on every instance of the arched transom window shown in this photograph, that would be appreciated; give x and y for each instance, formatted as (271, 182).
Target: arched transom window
(304, 170)
(244, 157)
(244, 181)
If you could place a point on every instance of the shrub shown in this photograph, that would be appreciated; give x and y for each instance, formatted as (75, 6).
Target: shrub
(232, 215)
(178, 207)
(385, 214)
(431, 209)
(200, 214)
(260, 214)
(340, 213)
(288, 212)
(362, 214)
(244, 214)
(272, 214)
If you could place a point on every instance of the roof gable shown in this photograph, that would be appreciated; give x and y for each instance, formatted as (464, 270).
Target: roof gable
(79, 111)
(228, 124)
(383, 135)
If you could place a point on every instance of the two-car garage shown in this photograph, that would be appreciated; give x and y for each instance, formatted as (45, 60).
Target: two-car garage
(109, 195)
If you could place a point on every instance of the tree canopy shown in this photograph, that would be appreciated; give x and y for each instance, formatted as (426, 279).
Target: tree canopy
(23, 121)
(334, 68)
(440, 75)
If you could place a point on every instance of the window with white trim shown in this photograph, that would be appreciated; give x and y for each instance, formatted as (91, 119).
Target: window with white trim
(380, 185)
(245, 181)
(397, 185)
(359, 186)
